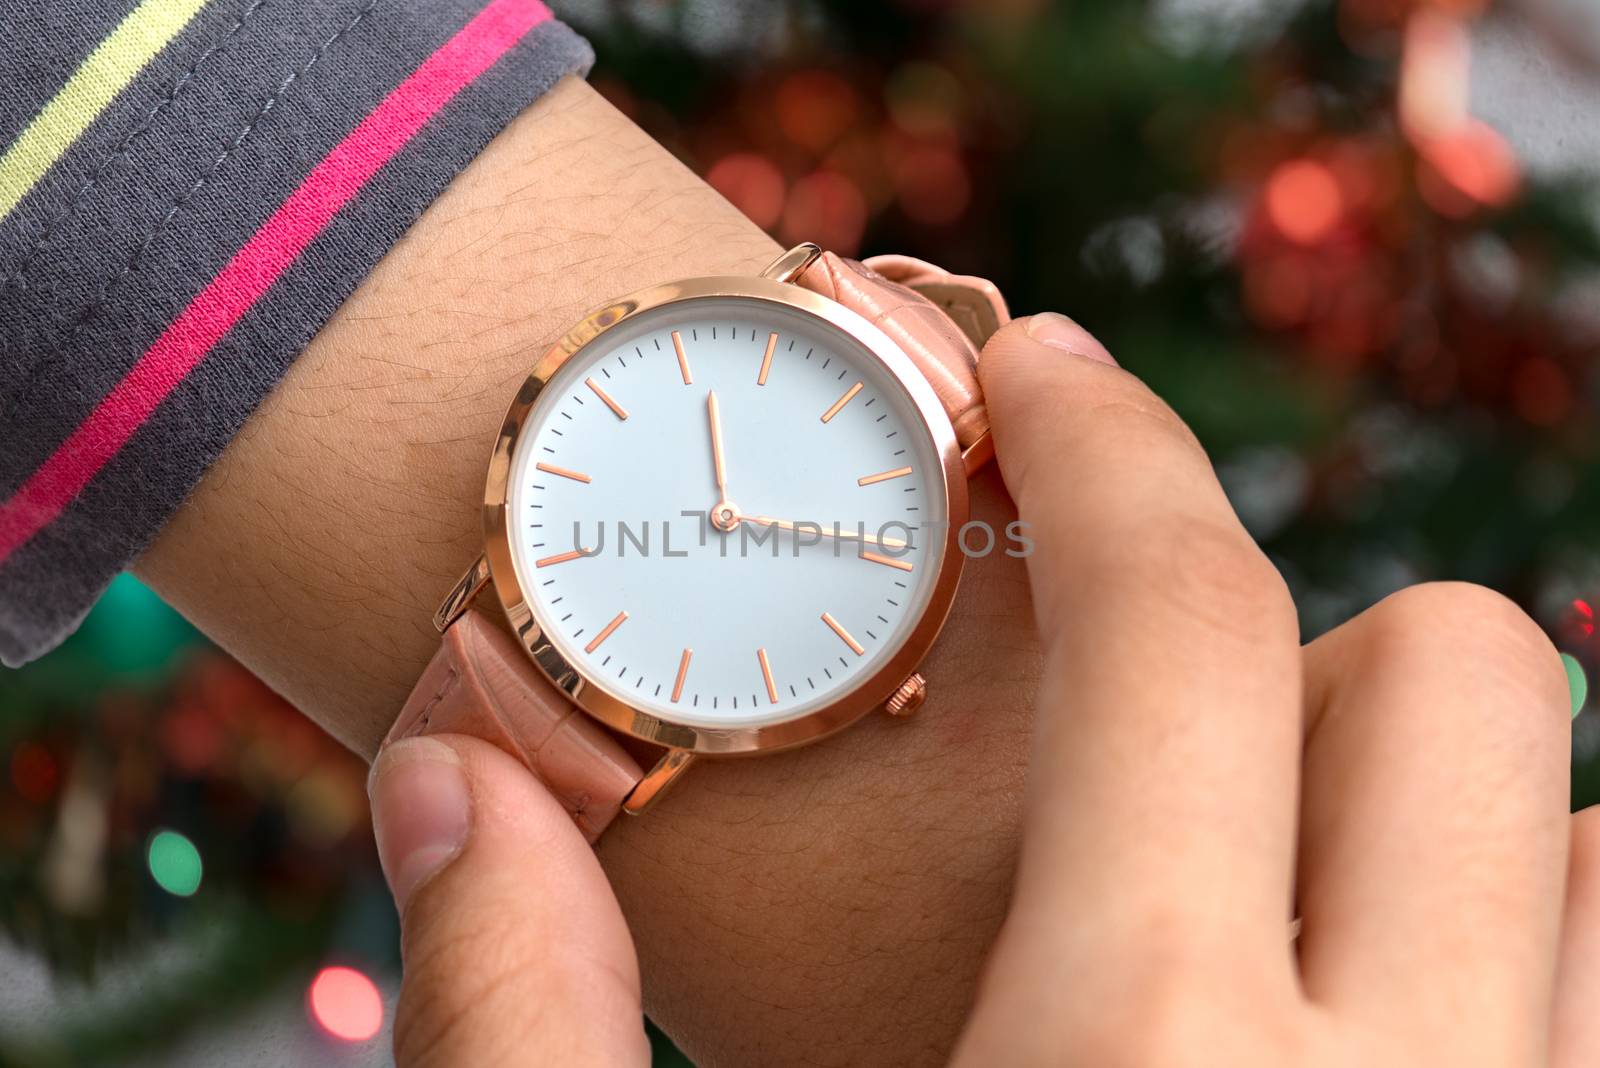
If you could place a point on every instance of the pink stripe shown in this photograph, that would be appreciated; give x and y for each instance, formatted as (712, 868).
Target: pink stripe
(256, 266)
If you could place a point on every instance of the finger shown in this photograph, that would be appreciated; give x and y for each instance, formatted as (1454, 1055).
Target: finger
(1434, 827)
(1575, 1041)
(515, 950)
(1162, 790)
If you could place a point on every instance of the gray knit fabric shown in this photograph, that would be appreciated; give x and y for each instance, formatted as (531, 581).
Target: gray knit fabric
(155, 198)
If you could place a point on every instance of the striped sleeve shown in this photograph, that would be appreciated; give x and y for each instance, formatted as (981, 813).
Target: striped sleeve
(188, 190)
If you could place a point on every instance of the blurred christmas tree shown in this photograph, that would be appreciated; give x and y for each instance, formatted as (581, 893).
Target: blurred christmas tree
(168, 817)
(1283, 215)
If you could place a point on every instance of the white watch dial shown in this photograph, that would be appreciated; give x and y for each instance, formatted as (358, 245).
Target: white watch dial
(749, 609)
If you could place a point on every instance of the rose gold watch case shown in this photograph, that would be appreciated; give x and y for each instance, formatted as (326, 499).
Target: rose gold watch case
(591, 695)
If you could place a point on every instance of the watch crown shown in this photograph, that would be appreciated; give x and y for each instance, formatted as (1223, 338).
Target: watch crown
(909, 697)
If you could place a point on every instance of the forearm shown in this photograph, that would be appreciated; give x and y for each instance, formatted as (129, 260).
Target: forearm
(317, 548)
(830, 904)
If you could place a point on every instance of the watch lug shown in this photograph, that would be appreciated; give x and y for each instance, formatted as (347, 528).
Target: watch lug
(977, 454)
(792, 264)
(460, 597)
(673, 763)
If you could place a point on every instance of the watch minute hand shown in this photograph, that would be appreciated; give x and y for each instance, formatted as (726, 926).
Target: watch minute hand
(842, 535)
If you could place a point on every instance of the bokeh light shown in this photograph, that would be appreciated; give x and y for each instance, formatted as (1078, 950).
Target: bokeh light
(34, 772)
(1577, 682)
(137, 637)
(826, 207)
(324, 808)
(752, 183)
(924, 99)
(1467, 165)
(191, 737)
(1472, 167)
(174, 863)
(1542, 392)
(346, 1004)
(815, 107)
(1435, 76)
(1304, 201)
(1279, 291)
(1583, 613)
(932, 185)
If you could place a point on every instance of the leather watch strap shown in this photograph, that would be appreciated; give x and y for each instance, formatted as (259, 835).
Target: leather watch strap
(481, 684)
(940, 319)
(972, 303)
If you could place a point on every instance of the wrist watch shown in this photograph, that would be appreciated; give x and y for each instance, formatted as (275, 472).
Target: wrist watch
(722, 517)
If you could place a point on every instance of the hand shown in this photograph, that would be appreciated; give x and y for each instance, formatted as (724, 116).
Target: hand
(1176, 817)
(1401, 784)
(515, 950)
(830, 848)
(828, 845)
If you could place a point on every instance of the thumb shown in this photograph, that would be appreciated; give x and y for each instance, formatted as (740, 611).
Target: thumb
(515, 949)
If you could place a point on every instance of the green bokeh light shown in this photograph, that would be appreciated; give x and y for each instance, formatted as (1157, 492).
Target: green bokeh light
(1577, 681)
(174, 863)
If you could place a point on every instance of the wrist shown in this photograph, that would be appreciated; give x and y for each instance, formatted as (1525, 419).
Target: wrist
(351, 497)
(835, 897)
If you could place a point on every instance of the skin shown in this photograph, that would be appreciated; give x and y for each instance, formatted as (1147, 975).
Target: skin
(763, 895)
(834, 905)
(1402, 784)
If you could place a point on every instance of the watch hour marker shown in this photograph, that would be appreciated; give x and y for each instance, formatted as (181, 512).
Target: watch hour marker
(883, 476)
(766, 668)
(683, 361)
(621, 412)
(552, 469)
(844, 635)
(606, 632)
(683, 670)
(888, 561)
(839, 404)
(766, 361)
(560, 558)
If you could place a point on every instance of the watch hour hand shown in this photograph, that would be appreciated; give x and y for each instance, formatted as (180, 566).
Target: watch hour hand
(725, 514)
(719, 465)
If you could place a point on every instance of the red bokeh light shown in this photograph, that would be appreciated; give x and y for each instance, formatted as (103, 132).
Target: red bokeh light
(932, 185)
(1370, 176)
(752, 183)
(346, 1004)
(1473, 167)
(192, 738)
(1304, 201)
(1542, 391)
(34, 772)
(814, 108)
(826, 207)
(1278, 291)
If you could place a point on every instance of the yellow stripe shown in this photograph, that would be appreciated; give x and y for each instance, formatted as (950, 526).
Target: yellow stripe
(114, 63)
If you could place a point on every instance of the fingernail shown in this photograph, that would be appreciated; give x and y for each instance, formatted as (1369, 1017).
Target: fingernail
(421, 812)
(1059, 332)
